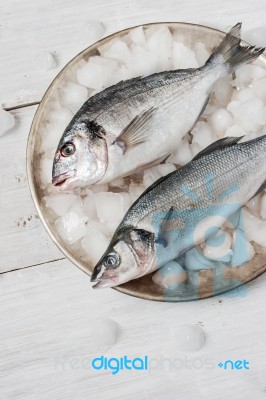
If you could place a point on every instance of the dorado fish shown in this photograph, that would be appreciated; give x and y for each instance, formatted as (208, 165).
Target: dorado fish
(139, 122)
(183, 209)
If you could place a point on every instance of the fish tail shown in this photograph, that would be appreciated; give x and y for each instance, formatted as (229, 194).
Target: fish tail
(231, 53)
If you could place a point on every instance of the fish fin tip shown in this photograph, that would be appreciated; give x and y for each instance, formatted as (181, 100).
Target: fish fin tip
(218, 145)
(260, 189)
(234, 54)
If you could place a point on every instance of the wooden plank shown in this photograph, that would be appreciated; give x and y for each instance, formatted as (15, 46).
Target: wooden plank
(60, 27)
(23, 240)
(46, 350)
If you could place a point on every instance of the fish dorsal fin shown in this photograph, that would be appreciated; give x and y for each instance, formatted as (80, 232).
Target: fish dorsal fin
(218, 145)
(136, 131)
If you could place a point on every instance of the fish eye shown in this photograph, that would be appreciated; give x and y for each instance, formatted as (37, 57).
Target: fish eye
(68, 149)
(111, 260)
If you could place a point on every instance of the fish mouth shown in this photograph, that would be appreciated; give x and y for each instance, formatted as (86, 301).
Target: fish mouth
(103, 283)
(99, 276)
(61, 179)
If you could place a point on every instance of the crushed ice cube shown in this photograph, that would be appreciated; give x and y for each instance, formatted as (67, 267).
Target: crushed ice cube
(92, 31)
(94, 243)
(254, 228)
(71, 226)
(103, 333)
(152, 174)
(97, 73)
(73, 96)
(45, 60)
(220, 121)
(183, 154)
(263, 206)
(183, 57)
(117, 50)
(189, 338)
(202, 134)
(170, 275)
(109, 206)
(60, 202)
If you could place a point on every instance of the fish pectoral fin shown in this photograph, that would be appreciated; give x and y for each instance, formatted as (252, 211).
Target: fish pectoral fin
(163, 235)
(219, 144)
(136, 132)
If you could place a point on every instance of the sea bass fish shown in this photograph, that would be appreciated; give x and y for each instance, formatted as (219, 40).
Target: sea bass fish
(139, 122)
(183, 209)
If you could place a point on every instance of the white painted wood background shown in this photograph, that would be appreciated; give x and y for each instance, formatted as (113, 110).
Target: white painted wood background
(47, 305)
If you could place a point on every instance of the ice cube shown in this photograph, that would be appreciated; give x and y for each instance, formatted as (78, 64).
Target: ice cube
(60, 116)
(223, 90)
(90, 206)
(109, 206)
(73, 95)
(194, 260)
(254, 228)
(118, 183)
(189, 338)
(259, 89)
(71, 226)
(137, 35)
(243, 95)
(60, 202)
(51, 134)
(92, 31)
(235, 131)
(220, 121)
(145, 62)
(201, 53)
(46, 165)
(218, 247)
(99, 188)
(183, 154)
(126, 201)
(135, 191)
(249, 115)
(45, 60)
(96, 225)
(254, 205)
(7, 121)
(202, 134)
(256, 36)
(183, 57)
(94, 243)
(103, 333)
(116, 50)
(246, 74)
(97, 72)
(152, 174)
(263, 207)
(160, 42)
(170, 275)
(243, 251)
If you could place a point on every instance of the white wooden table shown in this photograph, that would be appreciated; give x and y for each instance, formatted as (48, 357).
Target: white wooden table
(47, 305)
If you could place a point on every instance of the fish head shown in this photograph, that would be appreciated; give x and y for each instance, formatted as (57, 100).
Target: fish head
(129, 256)
(81, 157)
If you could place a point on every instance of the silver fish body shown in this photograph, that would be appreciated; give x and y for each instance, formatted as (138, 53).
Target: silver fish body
(138, 122)
(177, 212)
